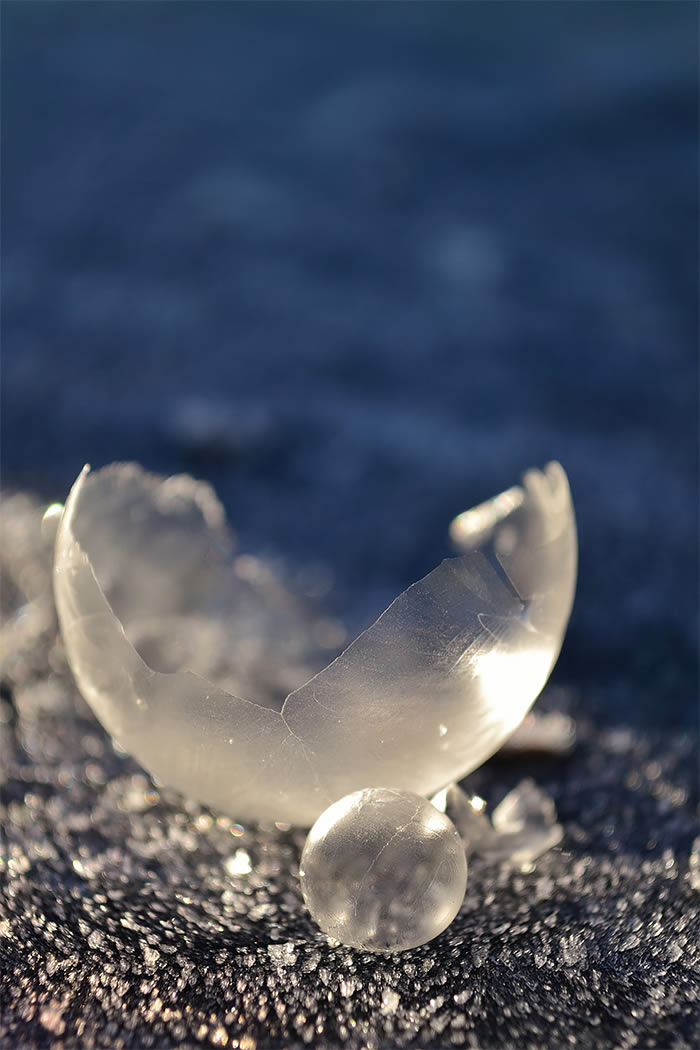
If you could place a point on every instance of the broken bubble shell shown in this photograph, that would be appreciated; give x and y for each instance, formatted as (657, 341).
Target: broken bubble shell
(421, 698)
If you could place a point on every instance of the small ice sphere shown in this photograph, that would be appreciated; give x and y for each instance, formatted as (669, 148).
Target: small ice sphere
(383, 870)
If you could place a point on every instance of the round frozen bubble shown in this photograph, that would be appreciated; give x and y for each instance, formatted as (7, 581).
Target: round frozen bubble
(383, 870)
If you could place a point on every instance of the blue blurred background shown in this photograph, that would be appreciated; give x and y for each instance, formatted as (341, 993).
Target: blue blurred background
(359, 266)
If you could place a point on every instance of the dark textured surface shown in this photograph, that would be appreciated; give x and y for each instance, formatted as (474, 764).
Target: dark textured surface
(397, 254)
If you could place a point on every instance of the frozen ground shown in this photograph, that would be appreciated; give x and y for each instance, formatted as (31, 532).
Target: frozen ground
(358, 266)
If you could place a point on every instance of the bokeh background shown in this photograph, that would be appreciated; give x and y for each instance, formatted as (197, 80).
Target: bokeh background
(359, 265)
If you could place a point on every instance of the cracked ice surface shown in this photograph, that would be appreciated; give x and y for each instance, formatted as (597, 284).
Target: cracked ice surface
(418, 700)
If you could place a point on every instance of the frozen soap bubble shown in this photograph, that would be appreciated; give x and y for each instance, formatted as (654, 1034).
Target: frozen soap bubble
(170, 637)
(383, 870)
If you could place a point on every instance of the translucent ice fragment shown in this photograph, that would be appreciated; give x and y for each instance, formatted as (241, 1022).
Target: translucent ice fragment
(383, 870)
(694, 865)
(522, 827)
(468, 814)
(50, 522)
(142, 574)
(528, 811)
